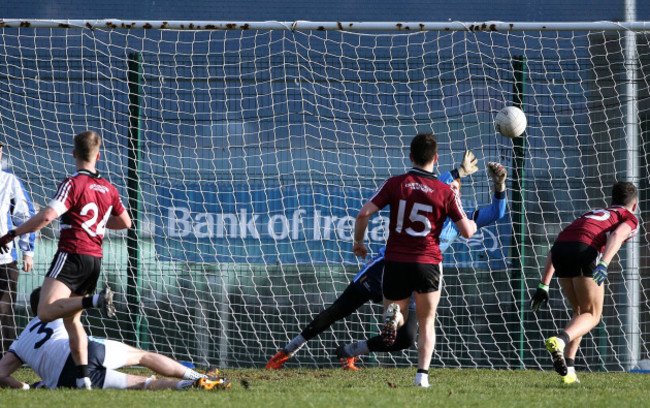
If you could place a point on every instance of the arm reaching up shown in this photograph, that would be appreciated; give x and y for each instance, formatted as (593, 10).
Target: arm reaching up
(468, 164)
(499, 174)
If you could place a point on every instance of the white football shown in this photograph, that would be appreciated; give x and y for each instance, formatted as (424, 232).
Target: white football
(510, 122)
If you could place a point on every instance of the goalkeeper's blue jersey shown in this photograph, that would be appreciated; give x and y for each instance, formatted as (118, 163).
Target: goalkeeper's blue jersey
(368, 280)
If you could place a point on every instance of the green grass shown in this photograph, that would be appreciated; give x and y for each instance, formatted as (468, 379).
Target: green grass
(370, 387)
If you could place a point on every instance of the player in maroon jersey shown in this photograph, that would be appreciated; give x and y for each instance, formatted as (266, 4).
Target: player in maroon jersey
(579, 257)
(419, 205)
(87, 205)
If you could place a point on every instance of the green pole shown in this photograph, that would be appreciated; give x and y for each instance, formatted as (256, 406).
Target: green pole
(518, 207)
(133, 189)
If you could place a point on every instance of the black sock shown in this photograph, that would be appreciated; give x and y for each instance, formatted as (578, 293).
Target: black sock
(564, 336)
(423, 371)
(570, 362)
(82, 371)
(87, 302)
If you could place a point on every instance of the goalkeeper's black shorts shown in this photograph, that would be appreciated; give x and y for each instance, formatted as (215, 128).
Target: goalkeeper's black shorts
(573, 259)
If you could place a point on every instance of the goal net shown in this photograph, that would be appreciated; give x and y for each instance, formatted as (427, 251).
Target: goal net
(245, 155)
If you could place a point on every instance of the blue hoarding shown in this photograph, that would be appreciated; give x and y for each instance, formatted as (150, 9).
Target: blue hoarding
(268, 223)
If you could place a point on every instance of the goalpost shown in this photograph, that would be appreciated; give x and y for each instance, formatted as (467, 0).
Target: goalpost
(245, 149)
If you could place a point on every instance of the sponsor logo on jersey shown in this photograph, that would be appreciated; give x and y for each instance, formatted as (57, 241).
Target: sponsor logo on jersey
(419, 186)
(99, 188)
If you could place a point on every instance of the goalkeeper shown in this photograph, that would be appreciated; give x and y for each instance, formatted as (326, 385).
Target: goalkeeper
(366, 285)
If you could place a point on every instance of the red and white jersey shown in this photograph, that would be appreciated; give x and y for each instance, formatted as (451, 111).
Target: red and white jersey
(419, 205)
(594, 227)
(85, 201)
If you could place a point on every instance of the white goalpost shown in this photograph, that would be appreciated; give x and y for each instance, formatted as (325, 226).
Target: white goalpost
(245, 149)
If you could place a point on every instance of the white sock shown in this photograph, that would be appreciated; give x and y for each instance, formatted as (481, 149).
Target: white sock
(571, 370)
(295, 344)
(357, 349)
(422, 379)
(84, 383)
(193, 375)
(184, 384)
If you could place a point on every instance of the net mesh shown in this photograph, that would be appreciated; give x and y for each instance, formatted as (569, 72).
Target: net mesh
(247, 155)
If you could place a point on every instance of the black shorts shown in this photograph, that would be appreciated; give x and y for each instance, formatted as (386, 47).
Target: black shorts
(401, 279)
(96, 369)
(573, 259)
(78, 272)
(8, 283)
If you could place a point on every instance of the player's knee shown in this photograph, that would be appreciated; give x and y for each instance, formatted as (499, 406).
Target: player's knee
(594, 312)
(45, 314)
(44, 318)
(143, 357)
(597, 317)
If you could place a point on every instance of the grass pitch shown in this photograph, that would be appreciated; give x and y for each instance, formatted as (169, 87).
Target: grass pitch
(370, 387)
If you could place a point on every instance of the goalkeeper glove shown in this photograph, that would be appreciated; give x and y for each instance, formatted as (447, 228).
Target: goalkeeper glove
(5, 240)
(499, 174)
(468, 164)
(600, 273)
(539, 298)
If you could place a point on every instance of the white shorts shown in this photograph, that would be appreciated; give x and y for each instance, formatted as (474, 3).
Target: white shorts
(116, 354)
(114, 358)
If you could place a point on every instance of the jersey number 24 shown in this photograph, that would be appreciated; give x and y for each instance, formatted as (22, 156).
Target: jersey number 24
(100, 229)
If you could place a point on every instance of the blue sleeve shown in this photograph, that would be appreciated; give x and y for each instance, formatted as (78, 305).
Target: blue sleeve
(448, 235)
(23, 210)
(482, 216)
(496, 210)
(449, 176)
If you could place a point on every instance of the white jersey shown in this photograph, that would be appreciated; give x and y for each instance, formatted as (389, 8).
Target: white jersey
(15, 208)
(45, 347)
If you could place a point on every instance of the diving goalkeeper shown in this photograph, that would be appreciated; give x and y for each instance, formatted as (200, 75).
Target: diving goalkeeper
(366, 285)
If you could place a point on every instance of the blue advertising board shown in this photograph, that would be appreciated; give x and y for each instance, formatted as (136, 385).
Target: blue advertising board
(264, 223)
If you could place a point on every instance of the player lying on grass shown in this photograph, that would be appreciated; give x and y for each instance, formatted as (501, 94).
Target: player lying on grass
(87, 205)
(579, 257)
(366, 285)
(45, 347)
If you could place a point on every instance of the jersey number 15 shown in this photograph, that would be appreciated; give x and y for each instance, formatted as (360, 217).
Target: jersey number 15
(417, 216)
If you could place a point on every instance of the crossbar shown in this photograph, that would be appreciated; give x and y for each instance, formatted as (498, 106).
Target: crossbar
(301, 25)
